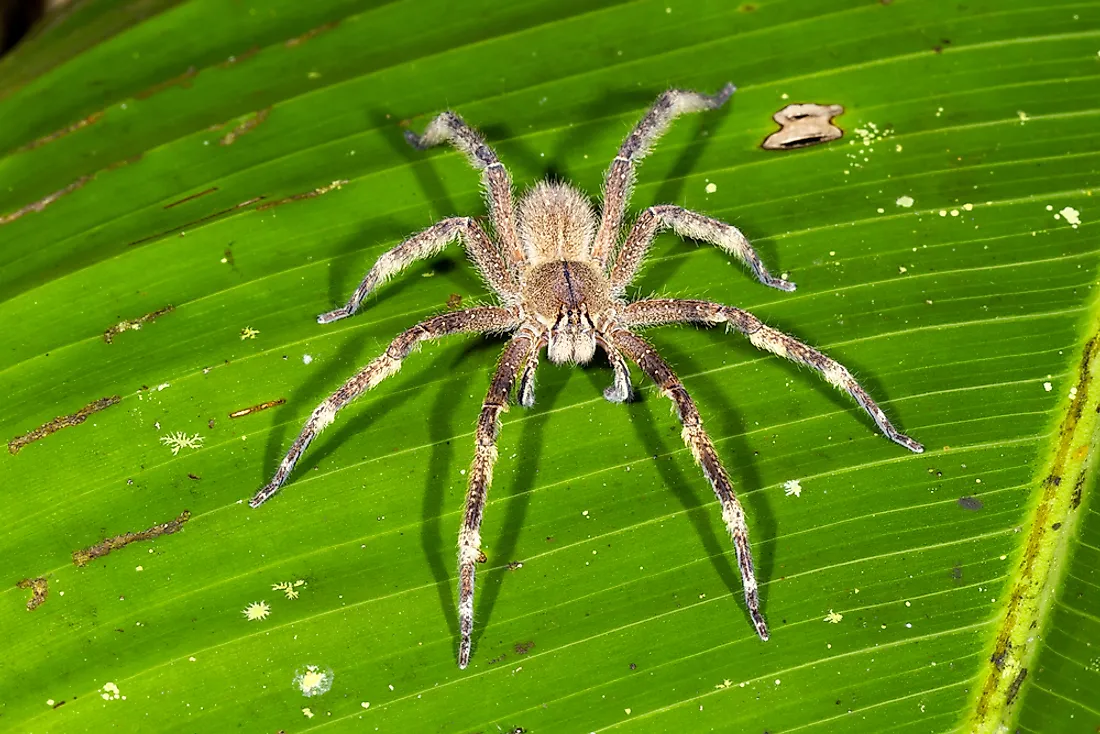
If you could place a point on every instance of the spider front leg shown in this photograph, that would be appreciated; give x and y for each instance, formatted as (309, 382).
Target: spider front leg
(484, 319)
(620, 390)
(450, 127)
(512, 363)
(697, 440)
(620, 176)
(672, 311)
(686, 224)
(425, 244)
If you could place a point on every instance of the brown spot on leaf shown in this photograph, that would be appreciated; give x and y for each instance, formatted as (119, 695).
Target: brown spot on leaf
(39, 591)
(245, 126)
(312, 33)
(454, 301)
(45, 201)
(183, 80)
(65, 421)
(256, 408)
(92, 118)
(186, 199)
(86, 555)
(307, 195)
(522, 648)
(135, 324)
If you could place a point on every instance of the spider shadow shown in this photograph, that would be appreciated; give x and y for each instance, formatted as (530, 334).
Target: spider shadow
(716, 410)
(529, 453)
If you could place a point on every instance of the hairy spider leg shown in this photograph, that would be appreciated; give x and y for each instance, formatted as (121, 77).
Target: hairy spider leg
(478, 320)
(429, 242)
(686, 224)
(620, 390)
(450, 127)
(620, 176)
(512, 363)
(696, 439)
(672, 311)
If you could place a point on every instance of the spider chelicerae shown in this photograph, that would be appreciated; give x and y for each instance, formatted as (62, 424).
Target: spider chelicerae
(560, 273)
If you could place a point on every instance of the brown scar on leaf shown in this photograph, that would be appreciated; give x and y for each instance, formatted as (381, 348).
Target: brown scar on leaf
(135, 324)
(64, 421)
(92, 118)
(804, 125)
(186, 199)
(246, 126)
(200, 220)
(86, 555)
(183, 80)
(312, 33)
(308, 195)
(454, 301)
(45, 201)
(256, 408)
(39, 591)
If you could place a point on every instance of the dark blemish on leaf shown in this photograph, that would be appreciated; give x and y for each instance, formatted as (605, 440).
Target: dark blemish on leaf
(313, 33)
(45, 201)
(59, 704)
(970, 503)
(183, 80)
(957, 573)
(514, 565)
(522, 648)
(135, 324)
(747, 8)
(200, 220)
(186, 199)
(256, 408)
(803, 125)
(39, 591)
(454, 301)
(999, 656)
(246, 126)
(1056, 526)
(307, 195)
(85, 556)
(633, 666)
(192, 476)
(92, 118)
(1014, 687)
(64, 421)
(210, 424)
(481, 557)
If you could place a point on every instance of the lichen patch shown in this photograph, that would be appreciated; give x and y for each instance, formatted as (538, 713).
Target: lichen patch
(84, 556)
(39, 591)
(135, 324)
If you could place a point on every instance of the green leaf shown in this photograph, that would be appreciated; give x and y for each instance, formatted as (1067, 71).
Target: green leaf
(244, 165)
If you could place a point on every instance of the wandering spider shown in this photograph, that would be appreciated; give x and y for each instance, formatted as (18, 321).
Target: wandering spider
(560, 274)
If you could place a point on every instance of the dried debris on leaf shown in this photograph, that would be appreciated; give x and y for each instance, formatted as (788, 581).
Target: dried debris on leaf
(135, 324)
(45, 201)
(39, 591)
(60, 422)
(94, 117)
(307, 195)
(256, 408)
(186, 199)
(804, 125)
(246, 126)
(87, 555)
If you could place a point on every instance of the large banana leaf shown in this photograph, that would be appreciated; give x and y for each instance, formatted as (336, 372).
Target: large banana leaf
(243, 164)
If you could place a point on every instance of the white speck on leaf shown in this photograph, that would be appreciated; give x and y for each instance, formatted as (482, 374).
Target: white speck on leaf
(833, 617)
(180, 440)
(256, 610)
(711, 188)
(312, 681)
(792, 486)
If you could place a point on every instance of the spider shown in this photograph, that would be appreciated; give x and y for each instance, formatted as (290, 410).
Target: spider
(560, 273)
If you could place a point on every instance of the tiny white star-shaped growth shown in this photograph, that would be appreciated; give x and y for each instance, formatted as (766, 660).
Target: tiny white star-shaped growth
(180, 440)
(248, 333)
(833, 617)
(290, 588)
(256, 610)
(792, 486)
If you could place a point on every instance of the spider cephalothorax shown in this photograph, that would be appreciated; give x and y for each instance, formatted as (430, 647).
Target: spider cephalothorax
(560, 273)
